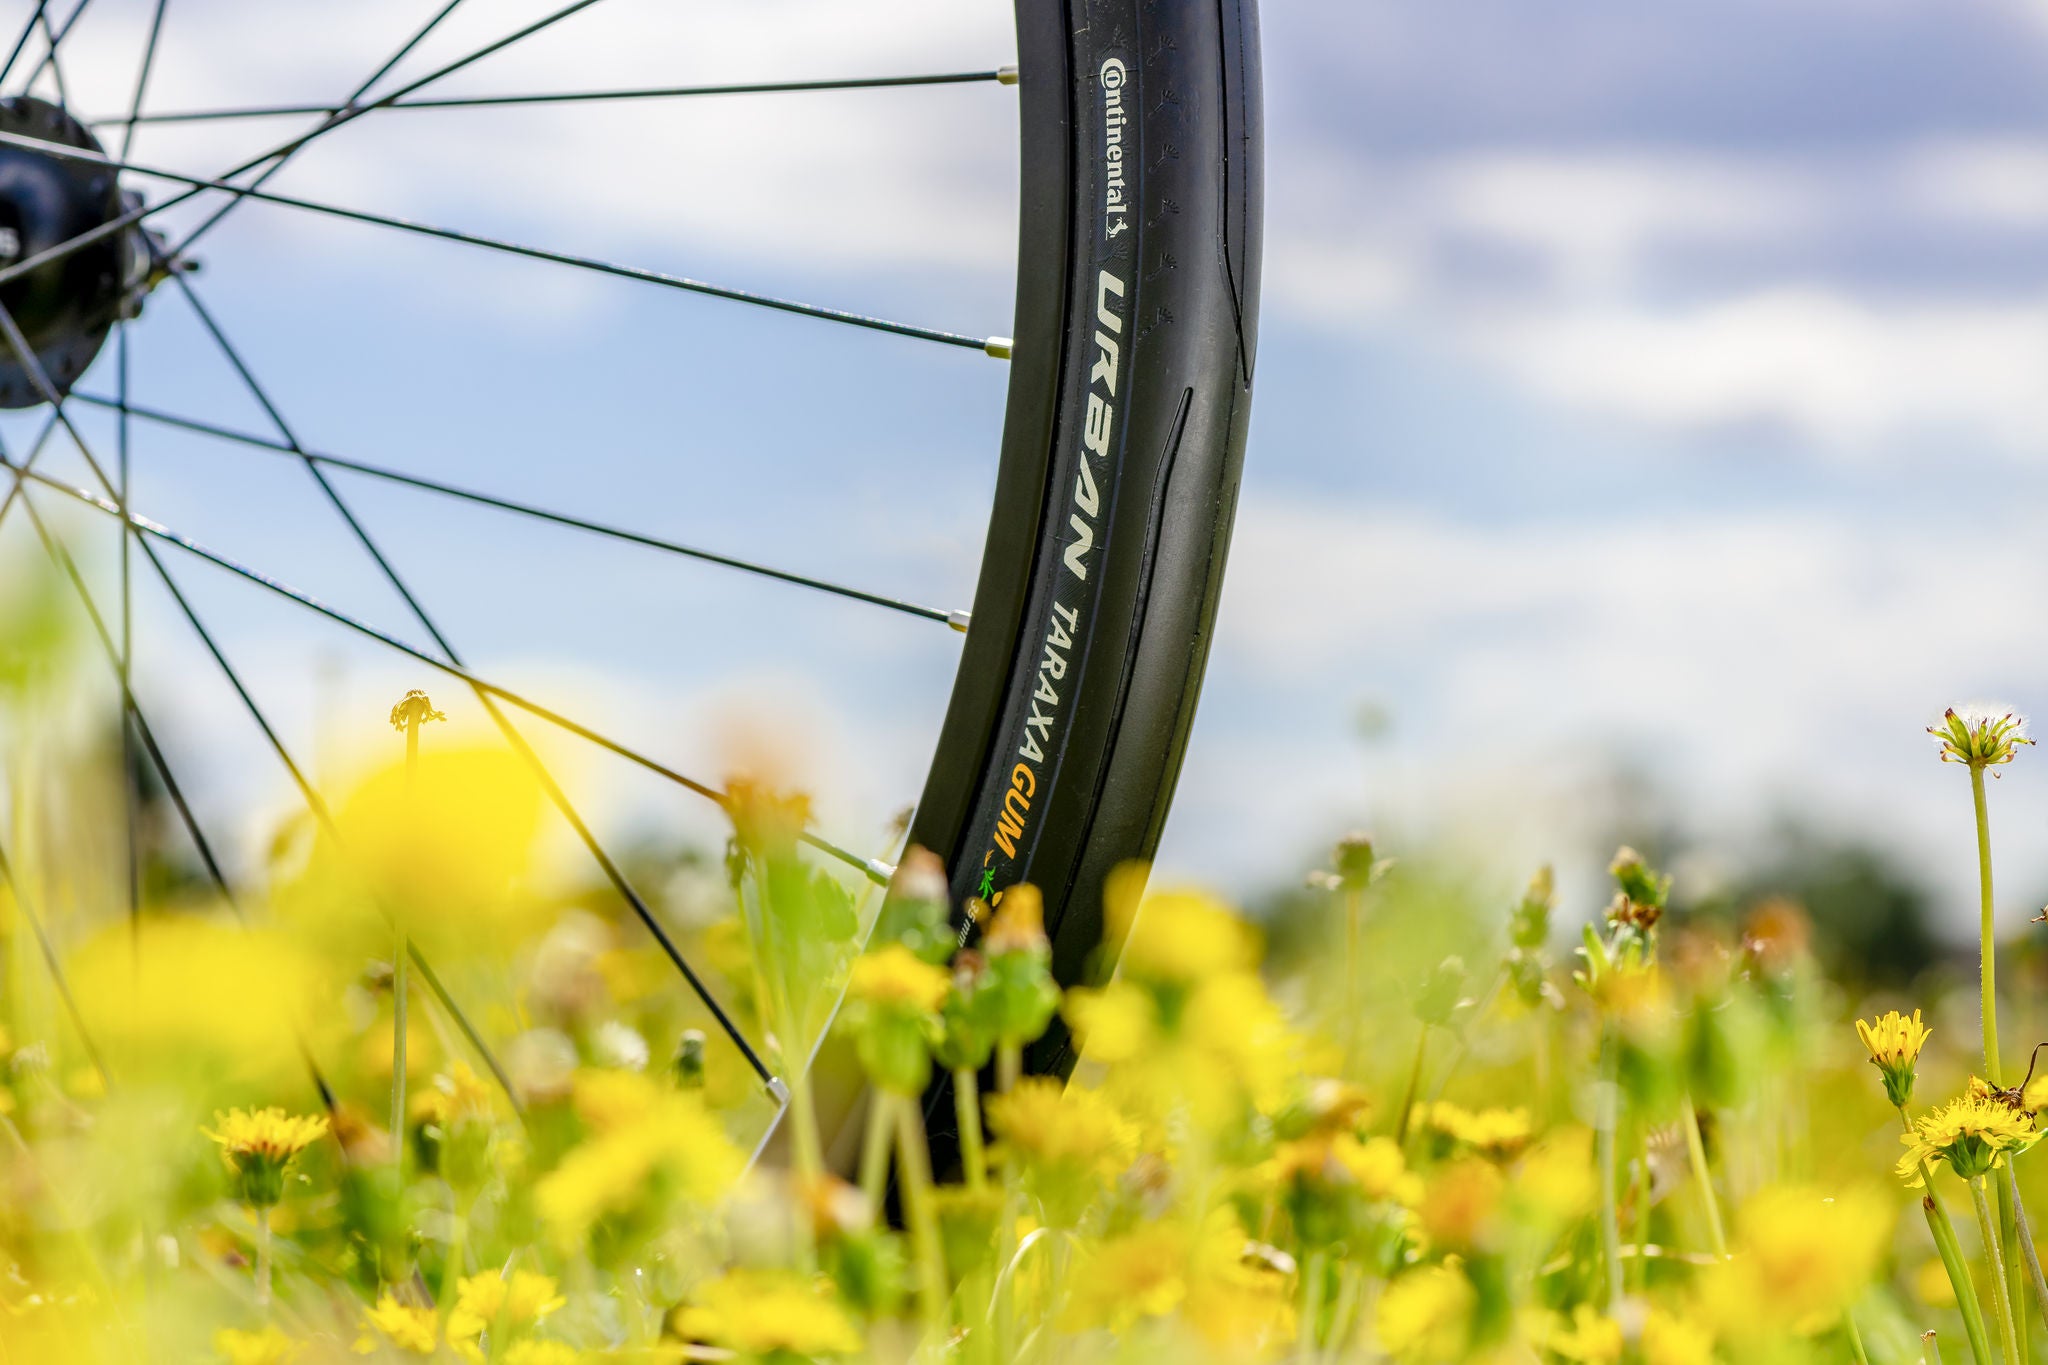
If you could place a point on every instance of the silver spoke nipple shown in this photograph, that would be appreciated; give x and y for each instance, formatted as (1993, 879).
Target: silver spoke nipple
(777, 1090)
(882, 872)
(960, 620)
(999, 347)
(1006, 75)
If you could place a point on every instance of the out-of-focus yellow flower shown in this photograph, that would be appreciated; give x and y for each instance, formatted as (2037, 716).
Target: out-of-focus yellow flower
(1973, 1133)
(1461, 1206)
(1069, 1141)
(490, 1300)
(1497, 1133)
(1801, 1258)
(1556, 1178)
(638, 1130)
(1238, 1299)
(266, 1347)
(1894, 1042)
(895, 976)
(765, 1312)
(1019, 922)
(1141, 1274)
(1374, 1166)
(407, 1328)
(1176, 938)
(258, 1145)
(1426, 1315)
(1932, 1286)
(1114, 1024)
(455, 1095)
(445, 846)
(1590, 1337)
(208, 1000)
(1671, 1340)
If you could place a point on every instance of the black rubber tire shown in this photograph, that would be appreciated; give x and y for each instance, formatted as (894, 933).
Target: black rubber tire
(1130, 389)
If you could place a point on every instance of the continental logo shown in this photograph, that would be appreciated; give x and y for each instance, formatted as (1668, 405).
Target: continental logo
(1114, 204)
(1064, 626)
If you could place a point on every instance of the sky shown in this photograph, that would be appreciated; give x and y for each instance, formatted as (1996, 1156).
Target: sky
(1651, 400)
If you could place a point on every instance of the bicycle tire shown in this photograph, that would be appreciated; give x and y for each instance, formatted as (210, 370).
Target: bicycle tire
(1130, 388)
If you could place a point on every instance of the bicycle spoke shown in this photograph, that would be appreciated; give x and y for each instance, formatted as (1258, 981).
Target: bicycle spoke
(998, 347)
(1005, 75)
(354, 111)
(278, 153)
(556, 795)
(156, 28)
(27, 31)
(50, 62)
(25, 904)
(958, 620)
(132, 709)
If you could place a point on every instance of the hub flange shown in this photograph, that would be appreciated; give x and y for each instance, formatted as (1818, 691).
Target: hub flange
(65, 307)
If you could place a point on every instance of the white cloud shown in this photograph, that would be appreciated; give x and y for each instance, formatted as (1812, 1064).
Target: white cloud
(1844, 372)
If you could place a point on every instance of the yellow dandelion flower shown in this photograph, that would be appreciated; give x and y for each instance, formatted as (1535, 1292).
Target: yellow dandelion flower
(1555, 1180)
(1461, 1205)
(763, 1312)
(1067, 1140)
(1374, 1166)
(486, 1300)
(1019, 923)
(1141, 1274)
(1497, 1133)
(637, 1134)
(259, 1144)
(895, 976)
(1591, 1337)
(1894, 1042)
(1973, 1133)
(407, 1328)
(1426, 1315)
(1669, 1340)
(267, 1347)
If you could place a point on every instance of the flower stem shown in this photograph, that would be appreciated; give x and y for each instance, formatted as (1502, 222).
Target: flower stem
(1311, 1305)
(1987, 951)
(1855, 1337)
(263, 1256)
(2015, 1273)
(967, 1109)
(2026, 1240)
(2000, 1300)
(1408, 1095)
(1696, 1150)
(1009, 1065)
(1610, 1219)
(874, 1149)
(914, 1163)
(1943, 1230)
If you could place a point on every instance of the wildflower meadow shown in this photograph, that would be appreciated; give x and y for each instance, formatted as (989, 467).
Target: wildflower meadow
(415, 1097)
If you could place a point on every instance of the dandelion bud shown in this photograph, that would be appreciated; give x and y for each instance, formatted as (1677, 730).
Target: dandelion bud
(1019, 924)
(916, 909)
(1353, 862)
(1894, 1042)
(1642, 892)
(688, 1066)
(1979, 734)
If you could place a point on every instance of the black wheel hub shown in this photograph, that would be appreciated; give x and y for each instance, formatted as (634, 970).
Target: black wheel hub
(66, 307)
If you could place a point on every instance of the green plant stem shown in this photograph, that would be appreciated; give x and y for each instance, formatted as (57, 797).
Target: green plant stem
(458, 1252)
(1855, 1337)
(1943, 1229)
(262, 1256)
(2000, 1300)
(1696, 1152)
(1987, 950)
(2026, 1241)
(967, 1109)
(1640, 1270)
(2015, 1272)
(1311, 1305)
(1408, 1095)
(914, 1163)
(1009, 1066)
(1610, 1219)
(874, 1150)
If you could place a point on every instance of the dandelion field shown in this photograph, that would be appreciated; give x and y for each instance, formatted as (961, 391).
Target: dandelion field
(411, 1096)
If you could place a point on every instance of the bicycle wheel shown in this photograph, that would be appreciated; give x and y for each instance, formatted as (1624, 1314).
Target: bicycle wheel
(1131, 368)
